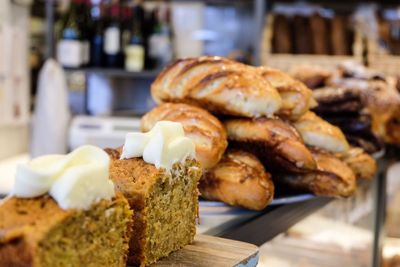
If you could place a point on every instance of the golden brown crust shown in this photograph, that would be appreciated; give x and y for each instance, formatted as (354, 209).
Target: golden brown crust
(297, 99)
(311, 76)
(362, 164)
(220, 85)
(333, 177)
(239, 179)
(272, 140)
(319, 133)
(204, 129)
(27, 223)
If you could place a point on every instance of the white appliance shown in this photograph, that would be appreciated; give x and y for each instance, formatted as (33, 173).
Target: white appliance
(101, 131)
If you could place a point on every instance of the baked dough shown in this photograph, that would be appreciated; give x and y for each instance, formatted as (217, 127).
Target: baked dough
(218, 84)
(272, 141)
(319, 133)
(361, 163)
(333, 178)
(297, 99)
(204, 129)
(239, 179)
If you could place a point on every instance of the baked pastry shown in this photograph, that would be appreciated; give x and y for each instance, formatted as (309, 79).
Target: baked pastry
(338, 100)
(271, 140)
(361, 163)
(302, 35)
(165, 205)
(282, 34)
(37, 232)
(204, 129)
(340, 35)
(320, 134)
(239, 179)
(297, 99)
(365, 140)
(333, 178)
(320, 35)
(312, 76)
(220, 85)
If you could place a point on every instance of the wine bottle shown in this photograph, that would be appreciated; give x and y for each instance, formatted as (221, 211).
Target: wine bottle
(87, 27)
(135, 50)
(97, 38)
(160, 43)
(112, 38)
(69, 47)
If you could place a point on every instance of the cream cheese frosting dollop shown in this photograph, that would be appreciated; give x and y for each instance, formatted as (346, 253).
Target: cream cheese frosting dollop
(164, 145)
(75, 181)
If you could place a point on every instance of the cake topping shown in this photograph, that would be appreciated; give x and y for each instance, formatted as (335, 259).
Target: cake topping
(164, 145)
(76, 180)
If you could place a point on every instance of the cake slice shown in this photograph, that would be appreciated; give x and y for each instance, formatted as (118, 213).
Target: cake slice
(64, 211)
(165, 205)
(37, 232)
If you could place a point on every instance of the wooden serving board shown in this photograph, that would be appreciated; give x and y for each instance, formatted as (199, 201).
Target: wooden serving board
(210, 251)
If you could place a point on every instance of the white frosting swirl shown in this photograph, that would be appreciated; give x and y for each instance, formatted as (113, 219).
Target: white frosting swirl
(75, 181)
(164, 145)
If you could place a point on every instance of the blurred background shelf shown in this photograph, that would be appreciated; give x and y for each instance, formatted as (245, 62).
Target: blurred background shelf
(117, 73)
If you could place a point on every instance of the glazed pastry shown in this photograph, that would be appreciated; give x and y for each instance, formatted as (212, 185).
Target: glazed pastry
(361, 163)
(297, 99)
(338, 100)
(365, 140)
(220, 85)
(320, 134)
(204, 129)
(332, 179)
(312, 76)
(350, 123)
(271, 140)
(239, 179)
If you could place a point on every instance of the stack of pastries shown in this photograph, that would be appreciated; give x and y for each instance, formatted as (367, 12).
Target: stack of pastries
(254, 132)
(365, 104)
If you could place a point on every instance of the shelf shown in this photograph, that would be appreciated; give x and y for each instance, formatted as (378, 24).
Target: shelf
(148, 74)
(262, 226)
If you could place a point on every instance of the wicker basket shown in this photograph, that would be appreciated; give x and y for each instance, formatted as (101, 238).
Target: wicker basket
(286, 61)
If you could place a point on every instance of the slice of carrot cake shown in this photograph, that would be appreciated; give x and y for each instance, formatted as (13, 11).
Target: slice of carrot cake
(64, 212)
(158, 174)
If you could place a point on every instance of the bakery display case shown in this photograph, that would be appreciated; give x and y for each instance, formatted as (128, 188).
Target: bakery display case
(282, 112)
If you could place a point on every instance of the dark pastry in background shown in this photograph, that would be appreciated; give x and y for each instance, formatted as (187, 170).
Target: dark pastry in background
(302, 35)
(340, 36)
(319, 27)
(282, 37)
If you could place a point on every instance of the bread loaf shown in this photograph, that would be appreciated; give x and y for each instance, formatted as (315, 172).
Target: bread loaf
(204, 129)
(220, 85)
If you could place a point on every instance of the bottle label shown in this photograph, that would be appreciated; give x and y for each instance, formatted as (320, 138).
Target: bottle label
(134, 60)
(112, 41)
(70, 53)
